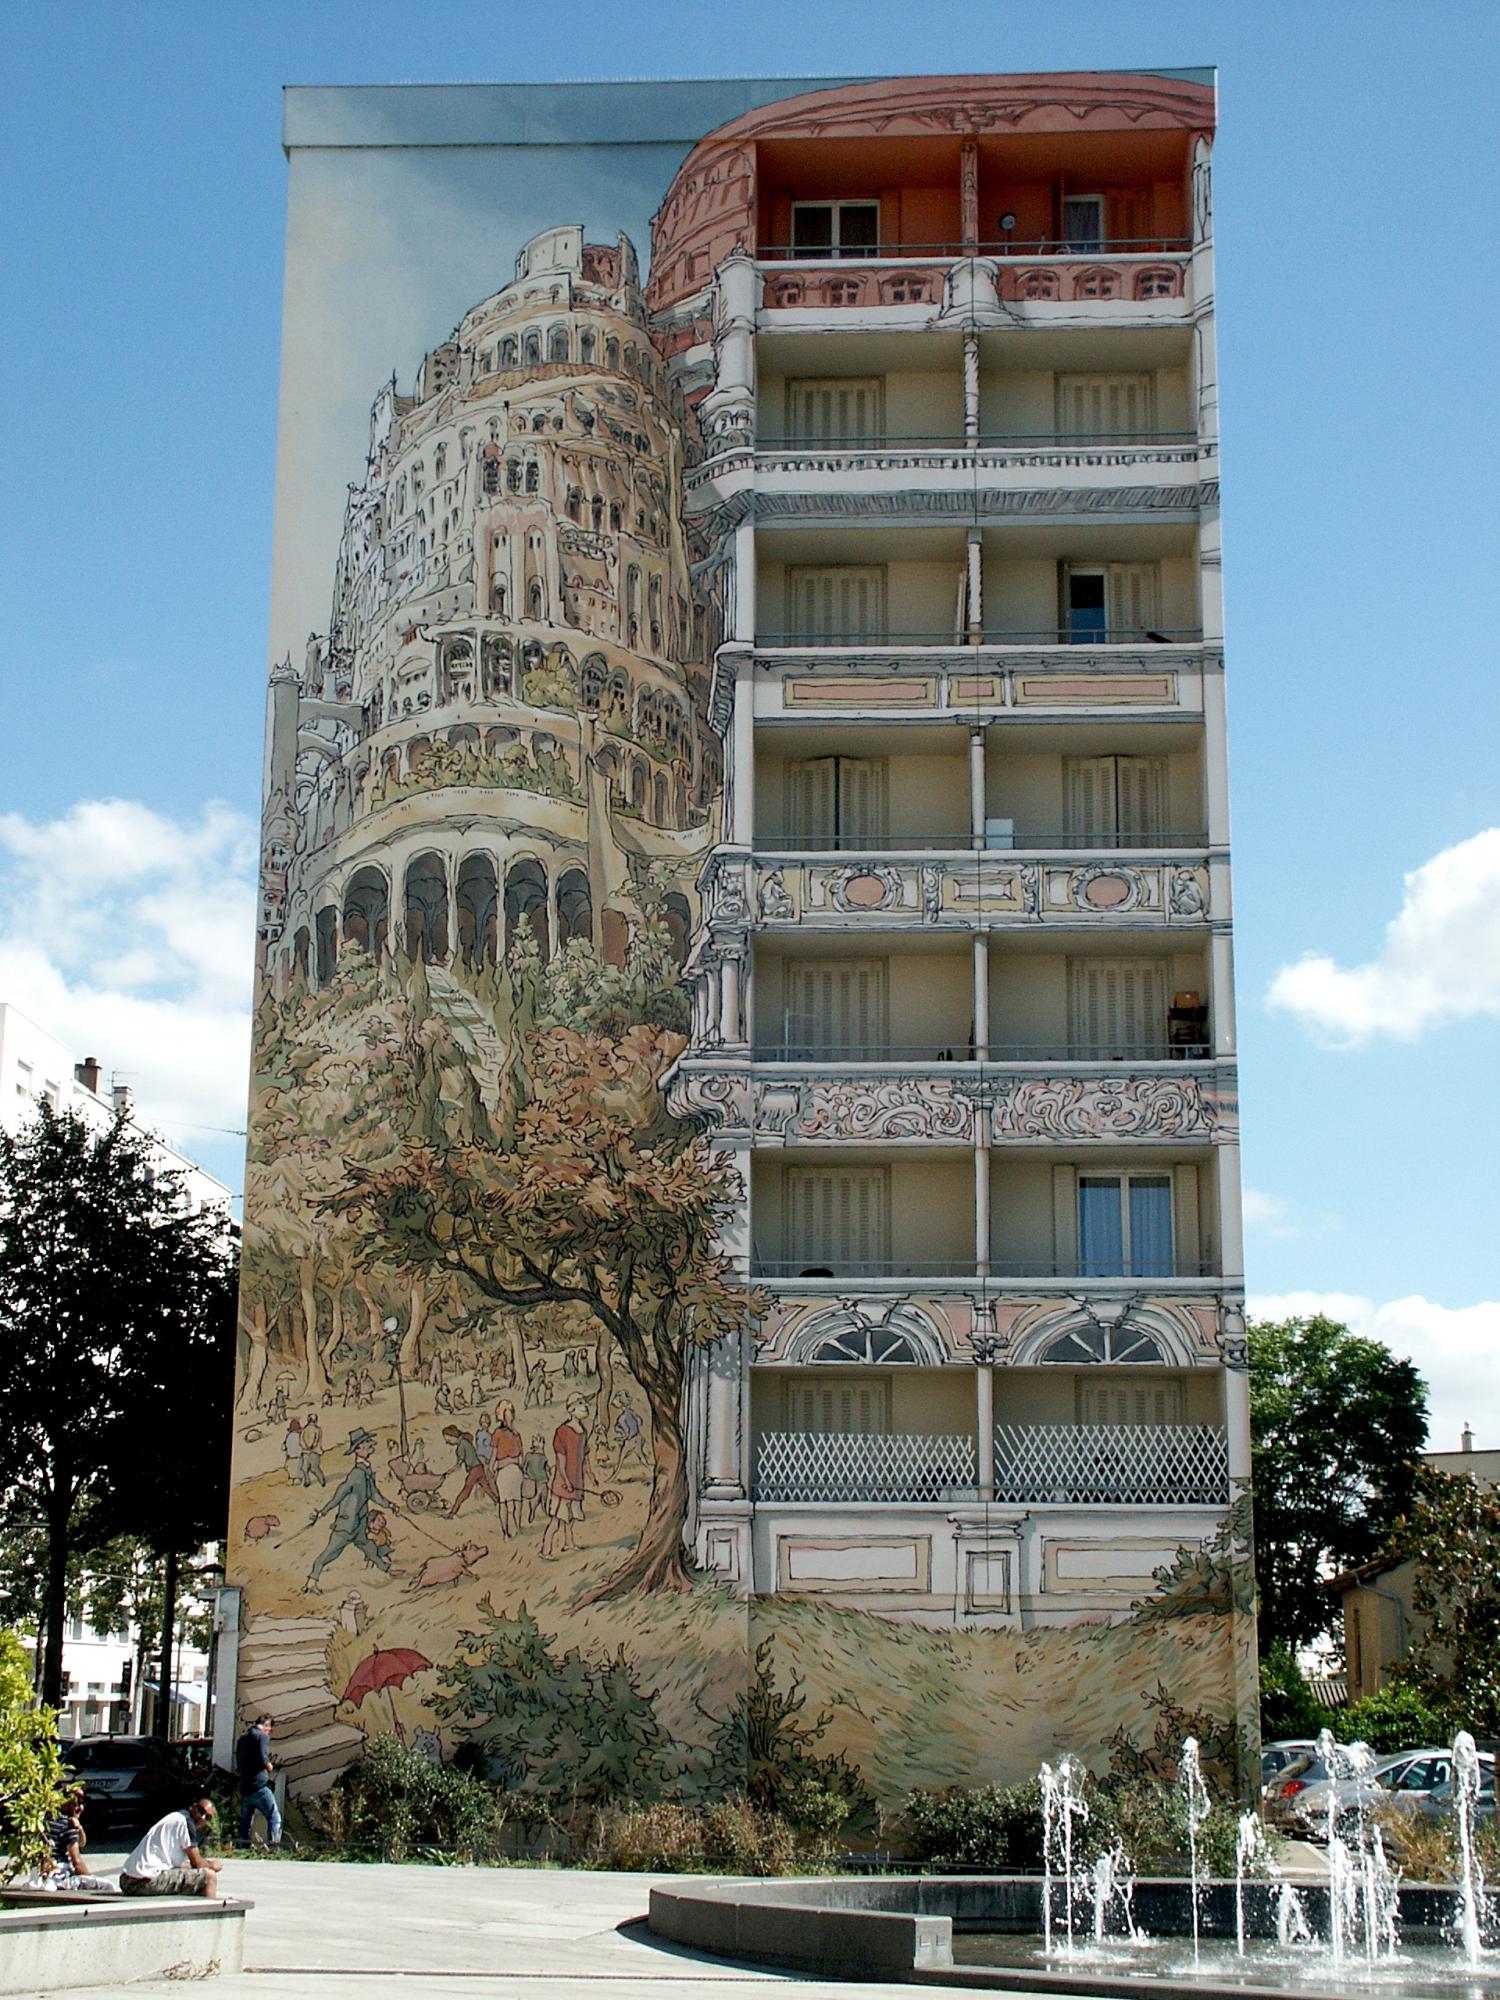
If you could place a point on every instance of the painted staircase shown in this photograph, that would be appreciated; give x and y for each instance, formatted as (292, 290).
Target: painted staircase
(284, 1672)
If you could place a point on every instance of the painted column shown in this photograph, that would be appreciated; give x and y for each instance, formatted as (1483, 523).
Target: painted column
(1231, 1227)
(976, 787)
(981, 1199)
(728, 410)
(968, 193)
(975, 590)
(723, 1467)
(984, 1419)
(730, 1023)
(981, 997)
(971, 386)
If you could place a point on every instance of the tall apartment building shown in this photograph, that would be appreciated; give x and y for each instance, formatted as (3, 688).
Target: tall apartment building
(770, 721)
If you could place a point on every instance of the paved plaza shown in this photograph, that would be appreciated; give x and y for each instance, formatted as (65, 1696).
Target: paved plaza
(324, 1930)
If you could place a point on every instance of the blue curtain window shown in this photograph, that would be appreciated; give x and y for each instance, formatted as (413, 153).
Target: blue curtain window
(1151, 1227)
(1101, 1230)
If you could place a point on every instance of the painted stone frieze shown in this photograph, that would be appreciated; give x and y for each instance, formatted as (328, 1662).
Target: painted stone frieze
(1113, 1107)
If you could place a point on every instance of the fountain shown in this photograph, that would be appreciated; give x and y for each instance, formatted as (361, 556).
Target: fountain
(1471, 1883)
(1063, 1803)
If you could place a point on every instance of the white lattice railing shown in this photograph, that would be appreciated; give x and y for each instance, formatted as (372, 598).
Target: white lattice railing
(850, 1465)
(1110, 1464)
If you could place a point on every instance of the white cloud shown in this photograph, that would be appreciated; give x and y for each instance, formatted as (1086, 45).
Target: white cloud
(1456, 1348)
(1440, 960)
(129, 935)
(1267, 1214)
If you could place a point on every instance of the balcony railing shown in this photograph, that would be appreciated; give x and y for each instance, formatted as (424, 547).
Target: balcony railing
(1153, 1465)
(845, 1465)
(1052, 635)
(1077, 1465)
(1040, 441)
(794, 1049)
(799, 841)
(966, 1268)
(1039, 246)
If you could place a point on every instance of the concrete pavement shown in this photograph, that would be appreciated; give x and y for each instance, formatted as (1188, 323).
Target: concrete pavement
(325, 1930)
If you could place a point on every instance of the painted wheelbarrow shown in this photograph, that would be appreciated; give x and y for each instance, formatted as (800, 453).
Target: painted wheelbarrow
(421, 1490)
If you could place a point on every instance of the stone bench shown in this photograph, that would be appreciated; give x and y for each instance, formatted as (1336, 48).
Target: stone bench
(54, 1939)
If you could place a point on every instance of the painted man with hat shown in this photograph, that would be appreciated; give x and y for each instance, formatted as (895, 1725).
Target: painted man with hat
(350, 1507)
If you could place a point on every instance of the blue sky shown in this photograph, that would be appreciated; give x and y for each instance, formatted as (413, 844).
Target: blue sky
(1358, 297)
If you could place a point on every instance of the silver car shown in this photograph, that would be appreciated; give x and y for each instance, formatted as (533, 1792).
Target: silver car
(1410, 1780)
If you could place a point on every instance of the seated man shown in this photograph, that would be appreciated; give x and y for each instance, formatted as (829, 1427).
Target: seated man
(167, 1862)
(65, 1832)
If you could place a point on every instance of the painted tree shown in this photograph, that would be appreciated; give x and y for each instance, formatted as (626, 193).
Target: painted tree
(605, 1202)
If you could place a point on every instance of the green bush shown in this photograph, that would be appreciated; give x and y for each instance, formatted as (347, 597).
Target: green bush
(664, 1838)
(31, 1771)
(395, 1804)
(996, 1829)
(1396, 1718)
(1288, 1706)
(766, 1747)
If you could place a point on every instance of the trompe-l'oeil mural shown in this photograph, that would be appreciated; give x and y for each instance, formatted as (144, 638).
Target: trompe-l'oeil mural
(497, 1297)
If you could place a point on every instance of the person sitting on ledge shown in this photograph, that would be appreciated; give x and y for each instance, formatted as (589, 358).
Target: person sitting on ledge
(167, 1861)
(65, 1831)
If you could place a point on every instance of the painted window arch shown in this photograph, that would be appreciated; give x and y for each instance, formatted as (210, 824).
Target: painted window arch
(1095, 1343)
(679, 922)
(586, 344)
(868, 1346)
(507, 351)
(426, 904)
(367, 905)
(531, 347)
(557, 343)
(526, 903)
(476, 899)
(575, 909)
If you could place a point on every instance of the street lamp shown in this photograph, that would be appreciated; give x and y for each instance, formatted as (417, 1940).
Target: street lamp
(392, 1328)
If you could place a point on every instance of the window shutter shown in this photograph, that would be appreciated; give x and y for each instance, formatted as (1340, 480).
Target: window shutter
(1091, 800)
(844, 604)
(862, 791)
(858, 1404)
(837, 1004)
(1132, 600)
(840, 1216)
(840, 799)
(1140, 798)
(1105, 406)
(834, 410)
(811, 797)
(1117, 1006)
(1117, 1401)
(1116, 800)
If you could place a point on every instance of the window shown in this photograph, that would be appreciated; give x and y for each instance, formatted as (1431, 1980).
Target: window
(557, 344)
(1109, 603)
(1125, 1225)
(842, 605)
(1083, 222)
(1116, 801)
(533, 476)
(1105, 406)
(506, 353)
(1117, 1007)
(835, 228)
(490, 477)
(586, 345)
(838, 1219)
(836, 1007)
(860, 1404)
(835, 410)
(836, 801)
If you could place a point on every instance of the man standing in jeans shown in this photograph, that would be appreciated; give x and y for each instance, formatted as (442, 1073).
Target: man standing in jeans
(252, 1756)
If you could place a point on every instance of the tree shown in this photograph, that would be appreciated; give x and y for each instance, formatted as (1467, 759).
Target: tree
(1452, 1536)
(1336, 1424)
(31, 1772)
(100, 1262)
(603, 1201)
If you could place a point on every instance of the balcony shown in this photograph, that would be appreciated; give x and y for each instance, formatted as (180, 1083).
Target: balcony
(1060, 1465)
(967, 1270)
(1149, 272)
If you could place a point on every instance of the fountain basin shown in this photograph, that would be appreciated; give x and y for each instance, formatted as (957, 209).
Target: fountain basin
(895, 1927)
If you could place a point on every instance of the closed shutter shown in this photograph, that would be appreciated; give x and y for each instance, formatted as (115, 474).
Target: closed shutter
(844, 604)
(1117, 1007)
(837, 800)
(1132, 600)
(1116, 801)
(839, 1218)
(1105, 406)
(840, 1403)
(837, 1005)
(1117, 1401)
(835, 409)
(1129, 211)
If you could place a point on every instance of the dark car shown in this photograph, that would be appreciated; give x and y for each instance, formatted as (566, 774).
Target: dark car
(132, 1780)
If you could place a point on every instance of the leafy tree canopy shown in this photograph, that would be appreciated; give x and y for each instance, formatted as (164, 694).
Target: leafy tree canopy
(1452, 1535)
(31, 1772)
(1336, 1425)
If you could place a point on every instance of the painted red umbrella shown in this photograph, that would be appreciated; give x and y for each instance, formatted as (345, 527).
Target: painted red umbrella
(389, 1668)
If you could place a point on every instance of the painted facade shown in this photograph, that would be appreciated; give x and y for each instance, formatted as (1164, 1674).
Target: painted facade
(743, 1170)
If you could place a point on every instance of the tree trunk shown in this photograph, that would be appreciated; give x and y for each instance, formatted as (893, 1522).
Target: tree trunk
(55, 1601)
(258, 1359)
(658, 1561)
(604, 1394)
(411, 1340)
(317, 1374)
(519, 1363)
(162, 1722)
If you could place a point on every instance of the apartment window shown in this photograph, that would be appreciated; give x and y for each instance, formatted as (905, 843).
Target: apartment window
(1117, 1007)
(843, 604)
(836, 801)
(846, 1403)
(835, 409)
(1083, 221)
(838, 1219)
(1129, 1400)
(1116, 801)
(1105, 406)
(1125, 1225)
(835, 228)
(836, 1006)
(1109, 602)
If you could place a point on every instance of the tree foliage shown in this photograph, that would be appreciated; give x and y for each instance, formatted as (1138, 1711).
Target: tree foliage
(31, 1771)
(1452, 1536)
(1336, 1424)
(107, 1282)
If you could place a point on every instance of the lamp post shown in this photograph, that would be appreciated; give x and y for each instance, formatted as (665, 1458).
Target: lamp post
(392, 1329)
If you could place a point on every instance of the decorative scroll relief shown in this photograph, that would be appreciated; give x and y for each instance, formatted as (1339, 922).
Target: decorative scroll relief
(969, 885)
(1108, 1108)
(850, 1109)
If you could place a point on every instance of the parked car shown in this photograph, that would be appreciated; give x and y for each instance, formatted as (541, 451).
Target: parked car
(1275, 1757)
(132, 1780)
(1409, 1780)
(1279, 1798)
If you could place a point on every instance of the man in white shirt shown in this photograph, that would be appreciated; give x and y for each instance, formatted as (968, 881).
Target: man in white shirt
(167, 1862)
